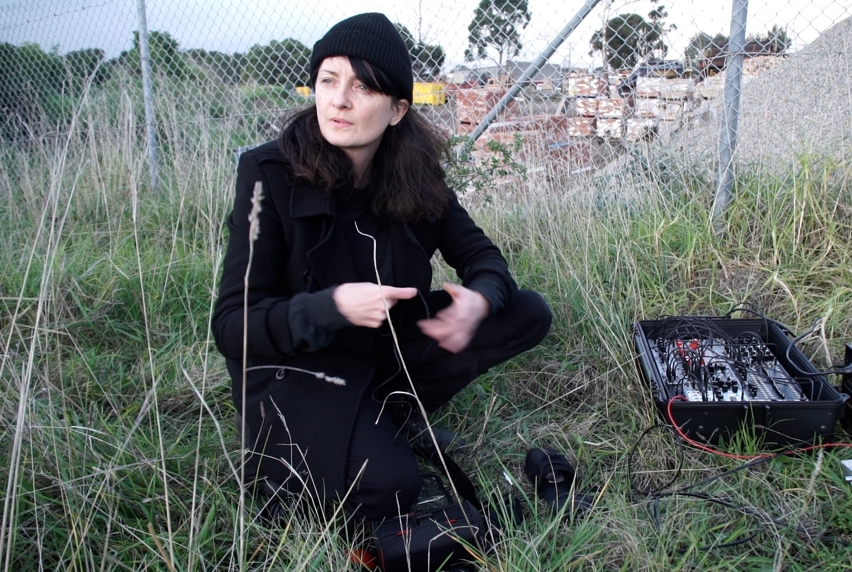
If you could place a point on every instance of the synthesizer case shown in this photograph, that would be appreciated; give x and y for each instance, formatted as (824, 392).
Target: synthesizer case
(846, 387)
(714, 376)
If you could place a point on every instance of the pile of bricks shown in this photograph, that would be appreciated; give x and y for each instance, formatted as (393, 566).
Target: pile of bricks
(591, 132)
(564, 142)
(661, 99)
(588, 91)
(570, 142)
(472, 105)
(537, 132)
(711, 87)
(760, 64)
(613, 117)
(613, 113)
(714, 86)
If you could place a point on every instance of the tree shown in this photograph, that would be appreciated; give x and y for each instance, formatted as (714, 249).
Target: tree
(426, 60)
(13, 88)
(225, 67)
(629, 38)
(702, 46)
(779, 39)
(626, 39)
(166, 58)
(495, 24)
(284, 63)
(775, 41)
(657, 17)
(33, 88)
(83, 64)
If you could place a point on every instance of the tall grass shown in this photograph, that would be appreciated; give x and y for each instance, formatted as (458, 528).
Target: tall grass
(116, 439)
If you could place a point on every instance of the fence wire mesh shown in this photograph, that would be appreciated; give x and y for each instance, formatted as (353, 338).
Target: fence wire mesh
(631, 72)
(594, 182)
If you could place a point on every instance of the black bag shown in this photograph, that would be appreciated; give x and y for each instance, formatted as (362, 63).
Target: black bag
(429, 541)
(438, 538)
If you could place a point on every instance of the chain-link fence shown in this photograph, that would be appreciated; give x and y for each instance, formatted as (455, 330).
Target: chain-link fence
(608, 75)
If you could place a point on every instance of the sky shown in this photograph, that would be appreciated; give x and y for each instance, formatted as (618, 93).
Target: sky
(235, 25)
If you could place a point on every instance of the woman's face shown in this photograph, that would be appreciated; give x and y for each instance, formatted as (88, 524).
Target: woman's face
(351, 116)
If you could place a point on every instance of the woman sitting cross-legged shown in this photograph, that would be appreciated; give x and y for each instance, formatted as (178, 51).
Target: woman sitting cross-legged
(354, 206)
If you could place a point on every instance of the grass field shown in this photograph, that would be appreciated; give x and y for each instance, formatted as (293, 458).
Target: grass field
(117, 447)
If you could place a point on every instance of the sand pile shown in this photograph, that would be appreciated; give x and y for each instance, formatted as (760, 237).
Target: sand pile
(802, 105)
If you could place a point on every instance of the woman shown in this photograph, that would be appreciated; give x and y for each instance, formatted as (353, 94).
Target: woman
(354, 206)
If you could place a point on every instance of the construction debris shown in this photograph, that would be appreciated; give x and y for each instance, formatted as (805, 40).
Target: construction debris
(596, 118)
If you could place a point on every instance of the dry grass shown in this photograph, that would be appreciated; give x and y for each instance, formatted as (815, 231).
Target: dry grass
(115, 417)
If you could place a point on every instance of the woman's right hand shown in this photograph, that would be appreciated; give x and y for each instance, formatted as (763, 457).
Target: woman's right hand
(361, 302)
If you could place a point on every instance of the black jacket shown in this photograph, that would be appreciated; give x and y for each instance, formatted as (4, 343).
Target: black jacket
(296, 262)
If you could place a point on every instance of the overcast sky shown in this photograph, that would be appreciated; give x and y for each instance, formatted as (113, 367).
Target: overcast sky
(235, 25)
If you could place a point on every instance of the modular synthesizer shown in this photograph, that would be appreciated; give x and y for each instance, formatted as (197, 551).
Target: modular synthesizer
(713, 369)
(712, 376)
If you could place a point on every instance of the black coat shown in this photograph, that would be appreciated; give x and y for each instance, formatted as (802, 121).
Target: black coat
(296, 262)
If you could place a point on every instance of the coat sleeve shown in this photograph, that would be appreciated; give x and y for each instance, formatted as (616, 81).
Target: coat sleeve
(280, 323)
(476, 259)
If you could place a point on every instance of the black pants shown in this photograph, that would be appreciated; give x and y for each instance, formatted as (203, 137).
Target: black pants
(382, 473)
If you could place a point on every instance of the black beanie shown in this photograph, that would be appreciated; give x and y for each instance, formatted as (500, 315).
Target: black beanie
(371, 37)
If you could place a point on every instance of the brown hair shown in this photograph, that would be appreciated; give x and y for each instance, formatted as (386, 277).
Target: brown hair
(406, 173)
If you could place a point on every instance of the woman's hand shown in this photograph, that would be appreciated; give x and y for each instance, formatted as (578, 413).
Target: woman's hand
(361, 302)
(454, 326)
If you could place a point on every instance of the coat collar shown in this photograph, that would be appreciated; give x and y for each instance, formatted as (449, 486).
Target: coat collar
(305, 202)
(328, 259)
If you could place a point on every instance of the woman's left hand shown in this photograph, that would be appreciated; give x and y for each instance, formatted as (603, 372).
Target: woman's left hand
(454, 326)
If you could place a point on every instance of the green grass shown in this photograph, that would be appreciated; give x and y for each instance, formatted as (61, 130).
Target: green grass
(116, 435)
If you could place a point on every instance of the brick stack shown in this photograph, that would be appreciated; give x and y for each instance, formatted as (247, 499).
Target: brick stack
(647, 104)
(472, 105)
(663, 99)
(678, 95)
(588, 91)
(712, 87)
(648, 107)
(760, 64)
(640, 128)
(574, 152)
(537, 132)
(572, 156)
(555, 127)
(534, 136)
(612, 113)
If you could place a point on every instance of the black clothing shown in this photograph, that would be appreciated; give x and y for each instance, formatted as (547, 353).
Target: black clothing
(306, 432)
(367, 240)
(437, 376)
(298, 260)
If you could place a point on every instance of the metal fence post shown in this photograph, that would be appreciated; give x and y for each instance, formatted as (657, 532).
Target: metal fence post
(730, 113)
(148, 97)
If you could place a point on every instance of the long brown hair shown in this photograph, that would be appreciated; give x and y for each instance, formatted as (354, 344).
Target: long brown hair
(406, 173)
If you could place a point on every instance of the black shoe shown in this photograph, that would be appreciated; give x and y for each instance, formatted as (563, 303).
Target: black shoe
(415, 428)
(553, 478)
(268, 495)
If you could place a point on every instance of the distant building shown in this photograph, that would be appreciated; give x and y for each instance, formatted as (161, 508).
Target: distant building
(716, 58)
(510, 72)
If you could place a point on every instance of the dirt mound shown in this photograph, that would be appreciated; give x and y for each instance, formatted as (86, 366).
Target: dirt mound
(802, 105)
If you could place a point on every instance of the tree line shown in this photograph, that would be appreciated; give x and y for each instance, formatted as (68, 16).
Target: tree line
(35, 82)
(629, 39)
(38, 84)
